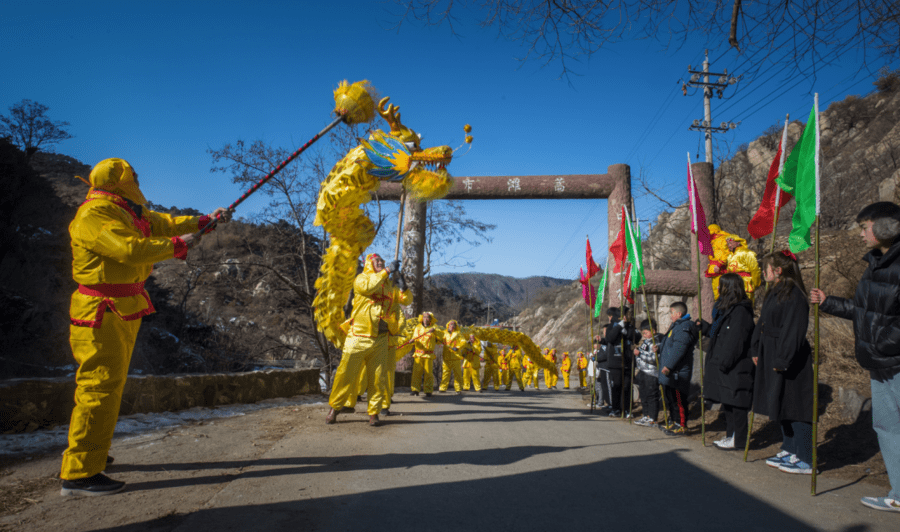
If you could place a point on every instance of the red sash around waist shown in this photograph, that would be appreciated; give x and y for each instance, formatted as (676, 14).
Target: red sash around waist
(112, 290)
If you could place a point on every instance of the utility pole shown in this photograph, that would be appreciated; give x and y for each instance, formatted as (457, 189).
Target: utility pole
(722, 82)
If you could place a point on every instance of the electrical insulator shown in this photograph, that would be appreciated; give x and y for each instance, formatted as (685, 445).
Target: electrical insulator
(696, 123)
(684, 89)
(695, 78)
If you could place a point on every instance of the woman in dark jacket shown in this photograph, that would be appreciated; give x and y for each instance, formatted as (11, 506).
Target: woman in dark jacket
(783, 389)
(729, 371)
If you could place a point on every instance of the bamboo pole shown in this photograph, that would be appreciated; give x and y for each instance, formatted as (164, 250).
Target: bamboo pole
(700, 342)
(622, 317)
(815, 418)
(591, 346)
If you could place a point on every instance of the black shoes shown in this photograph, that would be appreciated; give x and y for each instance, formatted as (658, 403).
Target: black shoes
(94, 486)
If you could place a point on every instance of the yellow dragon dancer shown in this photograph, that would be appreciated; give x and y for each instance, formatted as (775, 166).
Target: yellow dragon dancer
(394, 156)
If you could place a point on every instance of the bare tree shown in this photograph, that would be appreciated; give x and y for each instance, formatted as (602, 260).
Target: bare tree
(448, 225)
(798, 34)
(28, 127)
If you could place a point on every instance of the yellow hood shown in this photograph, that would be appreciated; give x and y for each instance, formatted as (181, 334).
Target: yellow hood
(116, 176)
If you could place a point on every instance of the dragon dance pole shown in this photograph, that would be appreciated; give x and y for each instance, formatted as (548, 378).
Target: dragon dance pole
(400, 224)
(270, 175)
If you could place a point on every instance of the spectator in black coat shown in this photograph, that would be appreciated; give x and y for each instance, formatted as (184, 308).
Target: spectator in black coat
(875, 311)
(619, 333)
(676, 366)
(783, 388)
(728, 376)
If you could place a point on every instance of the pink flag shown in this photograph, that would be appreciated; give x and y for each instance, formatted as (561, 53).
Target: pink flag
(588, 292)
(698, 218)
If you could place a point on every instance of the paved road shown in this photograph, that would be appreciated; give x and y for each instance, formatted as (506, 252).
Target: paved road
(492, 461)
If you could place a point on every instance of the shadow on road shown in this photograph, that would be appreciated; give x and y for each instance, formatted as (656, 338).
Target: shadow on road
(641, 493)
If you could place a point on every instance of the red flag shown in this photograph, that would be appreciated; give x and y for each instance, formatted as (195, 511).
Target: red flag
(619, 249)
(764, 219)
(698, 218)
(629, 295)
(588, 292)
(592, 267)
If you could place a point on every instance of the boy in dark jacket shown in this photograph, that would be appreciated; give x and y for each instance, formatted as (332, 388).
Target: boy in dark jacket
(875, 311)
(648, 383)
(676, 366)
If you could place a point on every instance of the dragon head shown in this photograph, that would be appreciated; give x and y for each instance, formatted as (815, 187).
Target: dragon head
(398, 156)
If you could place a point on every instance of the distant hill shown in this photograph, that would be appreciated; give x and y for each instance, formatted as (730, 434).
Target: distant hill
(506, 295)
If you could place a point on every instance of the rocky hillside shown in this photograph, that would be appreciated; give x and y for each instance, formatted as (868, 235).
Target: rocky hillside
(506, 295)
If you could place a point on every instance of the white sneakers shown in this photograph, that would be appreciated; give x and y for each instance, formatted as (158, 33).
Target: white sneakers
(725, 443)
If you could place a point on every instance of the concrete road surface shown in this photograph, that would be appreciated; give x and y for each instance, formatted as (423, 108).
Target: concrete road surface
(496, 461)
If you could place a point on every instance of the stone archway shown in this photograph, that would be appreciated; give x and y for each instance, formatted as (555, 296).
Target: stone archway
(614, 186)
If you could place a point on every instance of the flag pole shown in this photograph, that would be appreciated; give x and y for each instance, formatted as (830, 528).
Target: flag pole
(700, 342)
(787, 119)
(622, 316)
(590, 331)
(815, 415)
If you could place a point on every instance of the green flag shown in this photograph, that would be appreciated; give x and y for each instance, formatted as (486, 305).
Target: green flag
(600, 290)
(635, 256)
(801, 178)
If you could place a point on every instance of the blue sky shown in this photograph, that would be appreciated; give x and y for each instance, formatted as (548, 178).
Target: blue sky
(158, 83)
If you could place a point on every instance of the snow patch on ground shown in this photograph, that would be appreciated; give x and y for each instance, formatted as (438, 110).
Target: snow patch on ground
(136, 426)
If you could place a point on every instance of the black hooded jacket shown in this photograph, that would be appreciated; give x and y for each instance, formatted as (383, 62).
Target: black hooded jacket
(875, 310)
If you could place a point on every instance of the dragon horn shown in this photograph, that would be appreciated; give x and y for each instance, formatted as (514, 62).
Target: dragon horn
(391, 115)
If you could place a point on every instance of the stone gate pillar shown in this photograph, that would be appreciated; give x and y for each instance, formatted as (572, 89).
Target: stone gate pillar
(619, 197)
(414, 252)
(703, 177)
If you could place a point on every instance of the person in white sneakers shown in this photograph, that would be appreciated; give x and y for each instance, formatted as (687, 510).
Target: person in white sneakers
(728, 378)
(874, 311)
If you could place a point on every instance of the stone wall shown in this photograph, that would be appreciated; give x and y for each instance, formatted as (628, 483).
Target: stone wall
(30, 404)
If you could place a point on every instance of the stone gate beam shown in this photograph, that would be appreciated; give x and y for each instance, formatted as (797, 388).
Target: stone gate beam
(671, 283)
(578, 186)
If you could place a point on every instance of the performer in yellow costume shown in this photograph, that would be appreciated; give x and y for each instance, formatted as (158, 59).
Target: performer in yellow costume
(452, 361)
(405, 297)
(371, 323)
(731, 255)
(426, 338)
(582, 364)
(503, 363)
(527, 371)
(491, 367)
(471, 353)
(515, 369)
(566, 367)
(550, 376)
(115, 242)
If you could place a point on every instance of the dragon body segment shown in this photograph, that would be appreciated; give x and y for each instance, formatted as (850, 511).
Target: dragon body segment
(394, 156)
